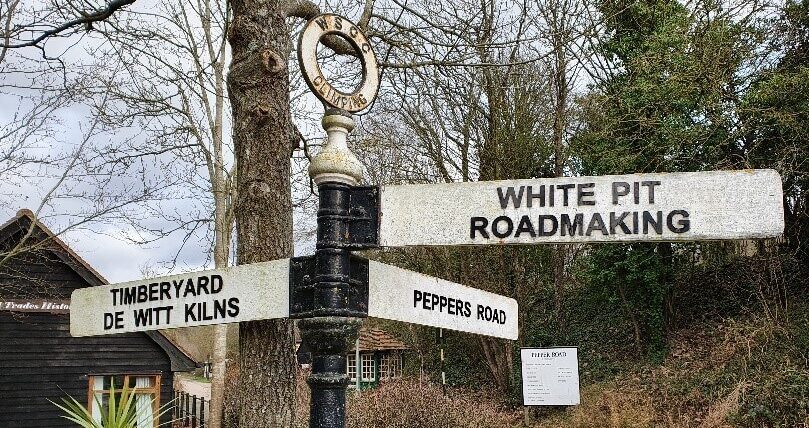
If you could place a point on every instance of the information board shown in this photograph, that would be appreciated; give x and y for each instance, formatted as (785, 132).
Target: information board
(550, 376)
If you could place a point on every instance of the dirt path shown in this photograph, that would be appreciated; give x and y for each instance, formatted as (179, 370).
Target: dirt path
(194, 387)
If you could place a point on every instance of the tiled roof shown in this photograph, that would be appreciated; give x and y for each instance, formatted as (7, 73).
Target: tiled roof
(376, 339)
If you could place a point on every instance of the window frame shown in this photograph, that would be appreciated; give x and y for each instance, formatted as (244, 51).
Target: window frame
(349, 359)
(372, 365)
(390, 365)
(154, 390)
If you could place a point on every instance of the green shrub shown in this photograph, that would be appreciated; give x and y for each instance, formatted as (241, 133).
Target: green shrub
(120, 412)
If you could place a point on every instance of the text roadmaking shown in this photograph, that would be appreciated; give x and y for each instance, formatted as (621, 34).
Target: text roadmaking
(630, 208)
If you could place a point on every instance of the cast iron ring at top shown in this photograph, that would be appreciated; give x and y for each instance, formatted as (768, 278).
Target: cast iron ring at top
(314, 31)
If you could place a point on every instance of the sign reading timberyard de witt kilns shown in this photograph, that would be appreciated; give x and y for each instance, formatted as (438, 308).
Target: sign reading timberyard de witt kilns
(240, 293)
(641, 207)
(261, 291)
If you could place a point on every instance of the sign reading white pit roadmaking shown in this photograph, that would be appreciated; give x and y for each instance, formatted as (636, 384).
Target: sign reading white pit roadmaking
(641, 207)
(241, 293)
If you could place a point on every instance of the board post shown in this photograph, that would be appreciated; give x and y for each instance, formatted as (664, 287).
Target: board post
(335, 170)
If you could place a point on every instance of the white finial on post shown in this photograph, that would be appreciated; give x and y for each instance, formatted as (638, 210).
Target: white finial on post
(336, 162)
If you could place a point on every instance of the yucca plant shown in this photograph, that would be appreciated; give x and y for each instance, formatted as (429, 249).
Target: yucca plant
(120, 411)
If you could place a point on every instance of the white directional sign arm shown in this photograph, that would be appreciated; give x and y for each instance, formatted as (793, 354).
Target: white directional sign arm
(624, 208)
(402, 295)
(240, 293)
(261, 291)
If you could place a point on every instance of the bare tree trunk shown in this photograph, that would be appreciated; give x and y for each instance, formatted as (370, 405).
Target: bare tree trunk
(497, 356)
(218, 366)
(490, 359)
(258, 84)
(222, 193)
(220, 349)
(633, 318)
(556, 17)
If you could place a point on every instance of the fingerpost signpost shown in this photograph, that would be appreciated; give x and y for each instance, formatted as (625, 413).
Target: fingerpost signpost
(333, 290)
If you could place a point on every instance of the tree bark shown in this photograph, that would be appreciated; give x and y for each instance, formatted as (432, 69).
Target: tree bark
(561, 88)
(633, 318)
(258, 84)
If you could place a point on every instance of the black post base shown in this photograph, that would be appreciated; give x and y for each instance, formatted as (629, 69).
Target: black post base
(329, 339)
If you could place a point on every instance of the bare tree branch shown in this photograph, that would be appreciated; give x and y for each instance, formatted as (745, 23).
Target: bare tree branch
(7, 28)
(307, 10)
(87, 19)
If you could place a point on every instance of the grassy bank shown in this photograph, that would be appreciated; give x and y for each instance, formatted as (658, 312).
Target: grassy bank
(747, 371)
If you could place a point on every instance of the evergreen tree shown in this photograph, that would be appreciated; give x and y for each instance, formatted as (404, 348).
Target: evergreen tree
(776, 111)
(668, 104)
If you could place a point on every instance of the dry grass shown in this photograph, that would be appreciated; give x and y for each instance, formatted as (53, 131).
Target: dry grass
(408, 403)
(702, 384)
(722, 409)
(606, 407)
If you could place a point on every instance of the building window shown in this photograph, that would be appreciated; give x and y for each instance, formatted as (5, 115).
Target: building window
(368, 367)
(390, 365)
(145, 387)
(351, 368)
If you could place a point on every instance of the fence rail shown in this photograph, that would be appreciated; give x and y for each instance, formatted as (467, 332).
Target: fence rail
(190, 410)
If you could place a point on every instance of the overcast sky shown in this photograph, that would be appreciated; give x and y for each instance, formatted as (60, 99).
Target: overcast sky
(107, 244)
(103, 244)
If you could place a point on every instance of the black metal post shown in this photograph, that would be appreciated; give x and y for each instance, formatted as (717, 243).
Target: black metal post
(193, 411)
(334, 325)
(329, 336)
(202, 412)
